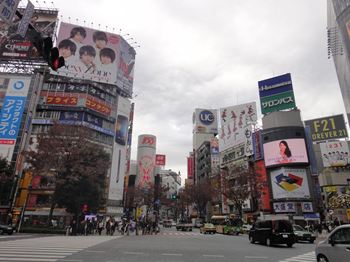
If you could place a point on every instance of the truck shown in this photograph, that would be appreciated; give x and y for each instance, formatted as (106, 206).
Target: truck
(184, 226)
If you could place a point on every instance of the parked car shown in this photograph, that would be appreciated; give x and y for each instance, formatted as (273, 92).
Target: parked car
(167, 223)
(6, 229)
(208, 228)
(271, 232)
(302, 234)
(198, 223)
(336, 247)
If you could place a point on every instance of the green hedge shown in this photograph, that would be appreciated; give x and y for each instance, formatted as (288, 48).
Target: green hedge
(42, 230)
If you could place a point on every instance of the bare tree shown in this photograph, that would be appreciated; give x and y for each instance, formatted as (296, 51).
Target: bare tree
(77, 164)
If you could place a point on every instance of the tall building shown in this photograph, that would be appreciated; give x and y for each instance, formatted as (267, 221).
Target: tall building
(338, 33)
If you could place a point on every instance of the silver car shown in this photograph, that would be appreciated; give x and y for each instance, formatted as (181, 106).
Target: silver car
(336, 247)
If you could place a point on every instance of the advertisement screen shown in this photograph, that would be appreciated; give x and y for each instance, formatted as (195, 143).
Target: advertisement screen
(289, 183)
(121, 131)
(12, 45)
(283, 152)
(327, 128)
(335, 154)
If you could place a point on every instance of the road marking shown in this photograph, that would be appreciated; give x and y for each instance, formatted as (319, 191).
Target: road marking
(27, 259)
(95, 251)
(255, 257)
(213, 256)
(133, 253)
(71, 260)
(168, 254)
(310, 256)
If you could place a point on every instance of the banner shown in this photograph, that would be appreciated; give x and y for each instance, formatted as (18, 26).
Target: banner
(284, 152)
(327, 128)
(236, 122)
(335, 154)
(264, 200)
(284, 207)
(11, 113)
(290, 183)
(257, 146)
(14, 46)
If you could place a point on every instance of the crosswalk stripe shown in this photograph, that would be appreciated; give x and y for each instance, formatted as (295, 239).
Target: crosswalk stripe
(47, 249)
(307, 257)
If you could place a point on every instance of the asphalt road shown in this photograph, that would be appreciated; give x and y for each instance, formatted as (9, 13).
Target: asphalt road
(169, 245)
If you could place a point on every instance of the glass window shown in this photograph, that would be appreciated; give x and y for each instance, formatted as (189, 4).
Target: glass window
(342, 236)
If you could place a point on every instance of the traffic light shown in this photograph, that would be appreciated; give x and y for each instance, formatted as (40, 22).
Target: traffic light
(51, 54)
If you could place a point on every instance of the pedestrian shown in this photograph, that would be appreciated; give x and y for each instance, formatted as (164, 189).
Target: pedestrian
(100, 227)
(73, 226)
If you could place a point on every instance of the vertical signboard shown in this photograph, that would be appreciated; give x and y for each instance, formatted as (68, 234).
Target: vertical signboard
(119, 150)
(276, 94)
(257, 146)
(190, 166)
(263, 182)
(8, 9)
(236, 126)
(11, 114)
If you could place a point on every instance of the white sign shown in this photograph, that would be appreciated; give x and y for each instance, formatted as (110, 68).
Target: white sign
(236, 122)
(8, 9)
(284, 207)
(335, 154)
(289, 183)
(205, 121)
(307, 207)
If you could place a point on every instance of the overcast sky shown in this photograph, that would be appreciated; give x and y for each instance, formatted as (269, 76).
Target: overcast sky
(211, 54)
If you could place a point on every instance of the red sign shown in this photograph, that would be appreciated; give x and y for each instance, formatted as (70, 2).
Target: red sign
(260, 170)
(160, 160)
(148, 140)
(62, 100)
(190, 167)
(97, 106)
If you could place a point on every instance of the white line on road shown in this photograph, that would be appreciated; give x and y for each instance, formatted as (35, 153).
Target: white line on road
(71, 260)
(133, 253)
(255, 257)
(27, 259)
(168, 254)
(213, 256)
(95, 251)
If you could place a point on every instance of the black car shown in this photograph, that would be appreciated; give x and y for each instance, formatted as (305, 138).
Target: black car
(6, 229)
(271, 232)
(302, 234)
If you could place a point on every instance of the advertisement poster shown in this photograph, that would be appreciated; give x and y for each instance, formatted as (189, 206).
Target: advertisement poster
(284, 152)
(236, 122)
(119, 163)
(160, 160)
(11, 113)
(290, 183)
(327, 128)
(14, 46)
(335, 154)
(96, 55)
(146, 159)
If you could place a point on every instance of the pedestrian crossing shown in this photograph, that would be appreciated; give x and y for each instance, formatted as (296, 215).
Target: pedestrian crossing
(307, 257)
(48, 249)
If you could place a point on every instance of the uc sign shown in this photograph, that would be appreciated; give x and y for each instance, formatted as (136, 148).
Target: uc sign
(327, 128)
(206, 117)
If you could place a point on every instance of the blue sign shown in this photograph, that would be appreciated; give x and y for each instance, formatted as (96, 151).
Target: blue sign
(11, 115)
(275, 85)
(206, 117)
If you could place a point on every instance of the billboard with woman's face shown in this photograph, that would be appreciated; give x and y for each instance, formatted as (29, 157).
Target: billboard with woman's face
(284, 152)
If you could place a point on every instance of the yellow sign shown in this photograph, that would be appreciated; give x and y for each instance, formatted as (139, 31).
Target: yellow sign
(331, 189)
(138, 212)
(348, 213)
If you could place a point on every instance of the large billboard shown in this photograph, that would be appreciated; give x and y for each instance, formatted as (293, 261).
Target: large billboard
(96, 55)
(284, 152)
(335, 154)
(276, 94)
(236, 126)
(146, 157)
(11, 112)
(289, 183)
(327, 128)
(205, 121)
(14, 46)
(119, 165)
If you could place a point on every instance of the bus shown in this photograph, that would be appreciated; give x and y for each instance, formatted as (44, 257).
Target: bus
(230, 225)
